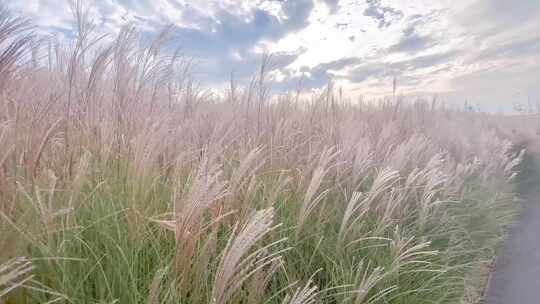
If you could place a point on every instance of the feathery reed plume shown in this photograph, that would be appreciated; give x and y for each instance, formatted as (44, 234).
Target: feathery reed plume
(237, 263)
(44, 204)
(248, 165)
(14, 273)
(383, 182)
(406, 253)
(366, 281)
(278, 188)
(242, 178)
(352, 210)
(46, 137)
(148, 146)
(303, 295)
(259, 283)
(84, 29)
(207, 189)
(97, 72)
(310, 200)
(15, 42)
(154, 290)
(511, 162)
(5, 153)
(363, 160)
(431, 181)
(412, 150)
(141, 135)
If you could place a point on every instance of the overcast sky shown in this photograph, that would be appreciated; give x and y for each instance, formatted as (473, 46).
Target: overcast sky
(483, 51)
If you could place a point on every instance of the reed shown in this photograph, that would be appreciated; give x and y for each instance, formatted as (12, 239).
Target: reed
(124, 181)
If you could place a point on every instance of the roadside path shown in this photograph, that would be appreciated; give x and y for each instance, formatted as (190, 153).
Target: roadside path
(516, 278)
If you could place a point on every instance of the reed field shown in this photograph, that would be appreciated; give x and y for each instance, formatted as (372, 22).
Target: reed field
(124, 181)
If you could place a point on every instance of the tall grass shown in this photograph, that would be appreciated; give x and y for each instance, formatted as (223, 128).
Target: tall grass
(122, 181)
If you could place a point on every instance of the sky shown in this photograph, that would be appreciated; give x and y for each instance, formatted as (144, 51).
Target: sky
(485, 52)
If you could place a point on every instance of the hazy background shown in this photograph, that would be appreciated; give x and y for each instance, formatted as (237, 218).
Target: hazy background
(486, 52)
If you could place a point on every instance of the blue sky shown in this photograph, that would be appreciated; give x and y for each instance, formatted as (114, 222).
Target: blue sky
(483, 51)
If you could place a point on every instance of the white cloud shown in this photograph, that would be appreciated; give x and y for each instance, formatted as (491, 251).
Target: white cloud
(431, 46)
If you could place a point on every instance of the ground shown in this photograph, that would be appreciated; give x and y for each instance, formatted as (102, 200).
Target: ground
(516, 278)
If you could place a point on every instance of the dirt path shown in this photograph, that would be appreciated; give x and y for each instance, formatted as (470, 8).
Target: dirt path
(516, 279)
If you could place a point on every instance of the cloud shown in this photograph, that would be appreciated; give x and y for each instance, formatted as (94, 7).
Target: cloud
(384, 15)
(223, 36)
(333, 5)
(317, 76)
(214, 70)
(361, 43)
(431, 60)
(357, 70)
(498, 89)
(508, 50)
(138, 6)
(379, 69)
(297, 13)
(496, 16)
(413, 43)
(417, 35)
(226, 42)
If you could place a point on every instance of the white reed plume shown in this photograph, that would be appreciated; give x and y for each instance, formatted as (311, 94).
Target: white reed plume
(303, 295)
(207, 188)
(44, 204)
(366, 281)
(352, 210)
(240, 260)
(310, 200)
(249, 164)
(259, 283)
(14, 273)
(363, 160)
(278, 188)
(384, 181)
(406, 253)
